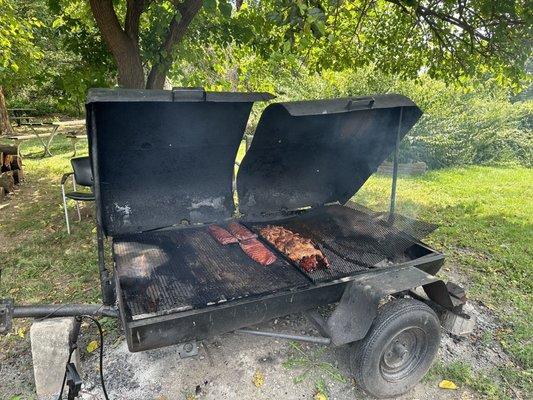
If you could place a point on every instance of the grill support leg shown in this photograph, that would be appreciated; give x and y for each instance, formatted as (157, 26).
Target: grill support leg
(392, 209)
(108, 294)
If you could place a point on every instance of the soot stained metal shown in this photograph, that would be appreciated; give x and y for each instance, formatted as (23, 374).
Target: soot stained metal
(163, 165)
(162, 158)
(310, 153)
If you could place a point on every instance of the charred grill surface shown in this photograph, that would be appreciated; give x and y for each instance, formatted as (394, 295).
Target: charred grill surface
(352, 241)
(181, 269)
(176, 270)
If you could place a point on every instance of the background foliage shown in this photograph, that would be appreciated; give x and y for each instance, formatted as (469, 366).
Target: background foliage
(52, 53)
(475, 121)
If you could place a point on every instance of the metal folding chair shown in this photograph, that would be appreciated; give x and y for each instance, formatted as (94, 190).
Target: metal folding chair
(82, 175)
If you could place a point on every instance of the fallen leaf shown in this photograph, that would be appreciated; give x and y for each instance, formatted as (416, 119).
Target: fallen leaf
(320, 396)
(92, 346)
(444, 384)
(259, 379)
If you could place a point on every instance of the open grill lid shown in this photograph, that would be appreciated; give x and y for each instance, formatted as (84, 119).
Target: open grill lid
(162, 158)
(310, 153)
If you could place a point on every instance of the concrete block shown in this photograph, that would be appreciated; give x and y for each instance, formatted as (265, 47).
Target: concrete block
(459, 325)
(50, 349)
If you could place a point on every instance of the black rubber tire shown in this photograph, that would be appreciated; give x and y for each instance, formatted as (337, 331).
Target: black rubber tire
(405, 331)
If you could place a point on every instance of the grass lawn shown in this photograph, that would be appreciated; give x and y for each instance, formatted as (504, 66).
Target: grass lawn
(486, 229)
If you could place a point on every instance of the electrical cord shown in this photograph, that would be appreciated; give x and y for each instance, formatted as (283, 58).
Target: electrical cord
(101, 363)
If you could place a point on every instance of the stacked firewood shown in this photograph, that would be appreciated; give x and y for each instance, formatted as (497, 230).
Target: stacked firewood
(11, 173)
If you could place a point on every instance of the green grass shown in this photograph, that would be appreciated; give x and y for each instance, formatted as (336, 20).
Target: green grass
(486, 229)
(40, 262)
(485, 217)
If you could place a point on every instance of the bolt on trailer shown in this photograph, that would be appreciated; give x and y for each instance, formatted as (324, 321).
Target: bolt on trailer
(164, 175)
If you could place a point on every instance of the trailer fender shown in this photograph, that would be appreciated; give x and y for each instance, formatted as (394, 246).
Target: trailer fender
(355, 312)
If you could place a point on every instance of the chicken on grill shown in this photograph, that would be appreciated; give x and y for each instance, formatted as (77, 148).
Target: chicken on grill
(299, 249)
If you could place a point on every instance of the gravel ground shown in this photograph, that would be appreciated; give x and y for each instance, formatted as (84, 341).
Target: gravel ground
(226, 365)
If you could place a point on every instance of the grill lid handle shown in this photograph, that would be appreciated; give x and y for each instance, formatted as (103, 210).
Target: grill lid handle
(188, 94)
(356, 102)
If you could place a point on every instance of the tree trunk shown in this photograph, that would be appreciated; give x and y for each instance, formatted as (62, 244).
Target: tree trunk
(122, 44)
(130, 70)
(5, 125)
(7, 182)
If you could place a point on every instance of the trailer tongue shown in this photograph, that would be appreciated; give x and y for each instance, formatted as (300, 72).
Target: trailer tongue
(178, 234)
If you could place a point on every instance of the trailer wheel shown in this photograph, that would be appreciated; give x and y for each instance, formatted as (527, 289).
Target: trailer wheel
(397, 350)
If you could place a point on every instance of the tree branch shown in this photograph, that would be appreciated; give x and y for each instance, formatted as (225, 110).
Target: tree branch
(175, 33)
(123, 44)
(423, 12)
(134, 9)
(108, 24)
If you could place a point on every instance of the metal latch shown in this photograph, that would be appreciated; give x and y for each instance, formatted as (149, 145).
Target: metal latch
(6, 315)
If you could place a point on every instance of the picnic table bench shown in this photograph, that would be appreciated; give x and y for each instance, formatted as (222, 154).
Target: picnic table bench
(49, 135)
(19, 115)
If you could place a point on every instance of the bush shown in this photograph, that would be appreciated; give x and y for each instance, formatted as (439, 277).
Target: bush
(475, 123)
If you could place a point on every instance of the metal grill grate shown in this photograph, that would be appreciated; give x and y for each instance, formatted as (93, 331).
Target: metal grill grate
(352, 240)
(176, 270)
(414, 227)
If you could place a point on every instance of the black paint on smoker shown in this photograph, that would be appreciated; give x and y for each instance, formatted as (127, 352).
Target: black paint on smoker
(163, 164)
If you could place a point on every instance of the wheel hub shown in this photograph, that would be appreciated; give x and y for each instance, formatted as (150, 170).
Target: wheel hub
(402, 354)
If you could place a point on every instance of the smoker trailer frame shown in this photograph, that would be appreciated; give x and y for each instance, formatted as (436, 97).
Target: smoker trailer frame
(358, 296)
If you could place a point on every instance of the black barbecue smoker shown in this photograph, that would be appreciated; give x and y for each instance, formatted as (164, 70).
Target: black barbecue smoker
(164, 170)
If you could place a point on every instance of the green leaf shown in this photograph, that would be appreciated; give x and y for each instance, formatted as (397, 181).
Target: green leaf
(225, 8)
(210, 5)
(58, 22)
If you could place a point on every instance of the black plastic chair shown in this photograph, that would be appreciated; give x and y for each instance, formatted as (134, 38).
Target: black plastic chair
(82, 175)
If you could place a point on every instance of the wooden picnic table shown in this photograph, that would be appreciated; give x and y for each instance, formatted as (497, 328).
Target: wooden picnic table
(50, 135)
(20, 114)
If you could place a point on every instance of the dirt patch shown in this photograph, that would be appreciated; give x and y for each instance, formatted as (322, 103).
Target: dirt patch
(479, 349)
(226, 364)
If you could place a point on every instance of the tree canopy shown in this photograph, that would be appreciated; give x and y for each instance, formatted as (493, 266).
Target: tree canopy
(445, 39)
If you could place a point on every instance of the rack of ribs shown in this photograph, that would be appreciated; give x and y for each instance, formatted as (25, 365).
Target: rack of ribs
(221, 235)
(240, 232)
(257, 251)
(247, 240)
(299, 249)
